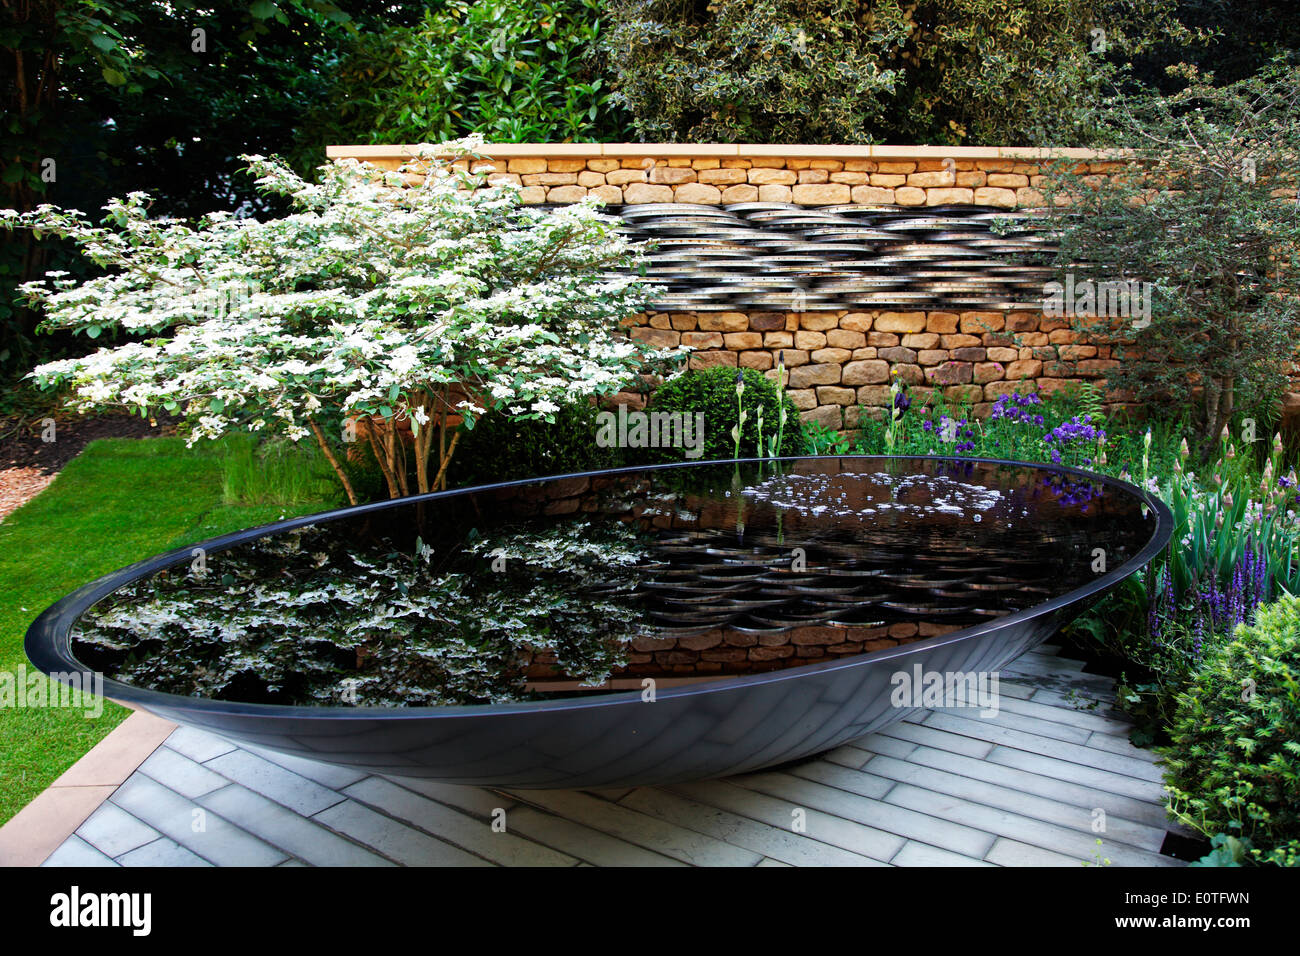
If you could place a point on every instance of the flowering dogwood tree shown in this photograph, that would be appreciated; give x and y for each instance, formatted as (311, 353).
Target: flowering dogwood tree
(389, 299)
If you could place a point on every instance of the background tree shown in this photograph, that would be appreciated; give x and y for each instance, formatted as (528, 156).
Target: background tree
(509, 70)
(105, 97)
(996, 72)
(1212, 220)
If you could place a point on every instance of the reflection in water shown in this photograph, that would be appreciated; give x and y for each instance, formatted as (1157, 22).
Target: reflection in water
(573, 586)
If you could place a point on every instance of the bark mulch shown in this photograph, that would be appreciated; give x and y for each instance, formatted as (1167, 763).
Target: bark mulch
(28, 463)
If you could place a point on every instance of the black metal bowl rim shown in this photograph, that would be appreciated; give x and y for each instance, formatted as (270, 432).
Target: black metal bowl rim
(48, 639)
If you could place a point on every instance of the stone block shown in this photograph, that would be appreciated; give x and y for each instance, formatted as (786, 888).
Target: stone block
(900, 322)
(672, 176)
(698, 193)
(831, 356)
(721, 177)
(835, 395)
(702, 340)
(772, 177)
(657, 338)
(845, 339)
(804, 376)
(829, 416)
(818, 321)
(724, 322)
(566, 194)
(738, 341)
(526, 165)
(645, 193)
(944, 197)
(872, 195)
(621, 177)
(822, 195)
(979, 322)
(871, 372)
(712, 359)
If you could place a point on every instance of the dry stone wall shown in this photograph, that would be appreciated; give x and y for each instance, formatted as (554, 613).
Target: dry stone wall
(839, 362)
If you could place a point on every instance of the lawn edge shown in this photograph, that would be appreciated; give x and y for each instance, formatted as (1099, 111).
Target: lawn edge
(41, 827)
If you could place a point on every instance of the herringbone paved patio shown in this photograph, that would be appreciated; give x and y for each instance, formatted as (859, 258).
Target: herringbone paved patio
(1026, 788)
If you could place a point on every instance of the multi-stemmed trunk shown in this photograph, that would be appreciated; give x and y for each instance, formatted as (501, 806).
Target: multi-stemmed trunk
(389, 445)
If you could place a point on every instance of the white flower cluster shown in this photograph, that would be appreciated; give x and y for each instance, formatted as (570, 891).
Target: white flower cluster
(379, 291)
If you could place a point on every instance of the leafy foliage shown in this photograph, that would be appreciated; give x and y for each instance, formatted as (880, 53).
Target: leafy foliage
(105, 97)
(1234, 766)
(749, 70)
(1211, 222)
(393, 303)
(1226, 850)
(858, 71)
(510, 70)
(821, 439)
(713, 392)
(501, 448)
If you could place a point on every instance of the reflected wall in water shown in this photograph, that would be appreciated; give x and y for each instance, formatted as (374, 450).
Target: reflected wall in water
(588, 584)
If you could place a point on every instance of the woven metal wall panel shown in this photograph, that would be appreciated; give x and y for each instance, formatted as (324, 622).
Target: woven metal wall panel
(761, 256)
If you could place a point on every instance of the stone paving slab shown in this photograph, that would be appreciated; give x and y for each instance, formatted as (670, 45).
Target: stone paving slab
(944, 788)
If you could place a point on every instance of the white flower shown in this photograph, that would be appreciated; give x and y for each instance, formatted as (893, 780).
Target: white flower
(376, 290)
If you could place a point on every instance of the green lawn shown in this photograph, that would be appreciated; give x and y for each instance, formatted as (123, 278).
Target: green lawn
(120, 501)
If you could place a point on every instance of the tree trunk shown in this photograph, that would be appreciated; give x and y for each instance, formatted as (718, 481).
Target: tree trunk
(334, 462)
(397, 459)
(381, 456)
(446, 460)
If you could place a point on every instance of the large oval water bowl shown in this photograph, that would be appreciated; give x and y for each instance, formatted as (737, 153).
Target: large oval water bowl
(617, 628)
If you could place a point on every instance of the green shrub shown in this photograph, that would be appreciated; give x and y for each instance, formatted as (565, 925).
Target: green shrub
(513, 70)
(499, 448)
(750, 71)
(713, 392)
(1234, 764)
(858, 71)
